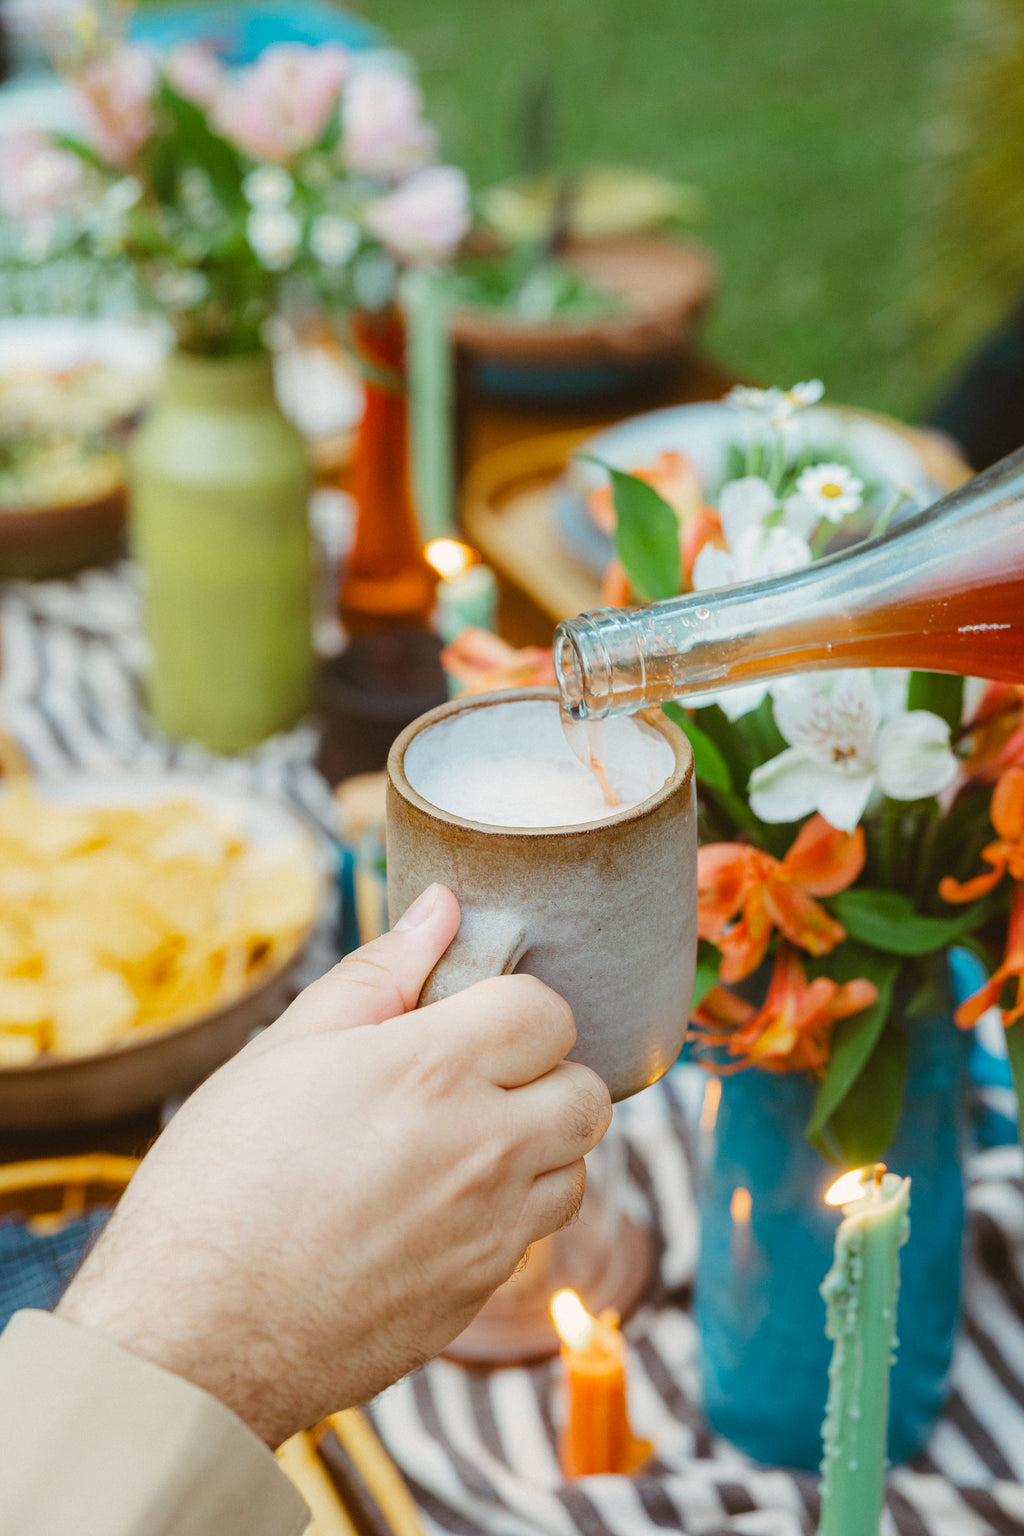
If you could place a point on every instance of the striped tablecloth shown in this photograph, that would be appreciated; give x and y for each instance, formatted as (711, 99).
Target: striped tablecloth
(477, 1448)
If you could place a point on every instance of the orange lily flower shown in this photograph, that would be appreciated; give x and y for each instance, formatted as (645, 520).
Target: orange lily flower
(1006, 853)
(770, 893)
(675, 480)
(996, 733)
(791, 1030)
(479, 661)
(972, 1008)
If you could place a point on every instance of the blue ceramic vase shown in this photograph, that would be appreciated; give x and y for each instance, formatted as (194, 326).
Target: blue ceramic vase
(762, 1321)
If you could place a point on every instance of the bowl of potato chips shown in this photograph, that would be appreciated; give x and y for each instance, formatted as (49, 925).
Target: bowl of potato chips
(147, 926)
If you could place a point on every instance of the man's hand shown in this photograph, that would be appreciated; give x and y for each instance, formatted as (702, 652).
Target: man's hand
(336, 1203)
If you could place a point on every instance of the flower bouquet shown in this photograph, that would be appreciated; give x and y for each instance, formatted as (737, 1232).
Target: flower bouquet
(214, 186)
(220, 193)
(844, 816)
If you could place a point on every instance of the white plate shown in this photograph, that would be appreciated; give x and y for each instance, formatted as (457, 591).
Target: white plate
(704, 432)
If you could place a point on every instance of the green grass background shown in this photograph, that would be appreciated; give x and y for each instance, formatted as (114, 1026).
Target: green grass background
(804, 121)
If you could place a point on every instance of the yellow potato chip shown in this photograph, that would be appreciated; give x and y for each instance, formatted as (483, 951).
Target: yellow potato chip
(25, 1005)
(119, 921)
(17, 1050)
(91, 1013)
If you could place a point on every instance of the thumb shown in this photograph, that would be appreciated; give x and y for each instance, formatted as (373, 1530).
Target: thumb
(382, 979)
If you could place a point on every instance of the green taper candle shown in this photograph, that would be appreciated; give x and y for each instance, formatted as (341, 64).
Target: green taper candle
(860, 1292)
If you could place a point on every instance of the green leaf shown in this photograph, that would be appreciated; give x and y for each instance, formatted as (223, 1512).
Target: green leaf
(866, 1121)
(646, 535)
(709, 765)
(201, 147)
(853, 1039)
(939, 693)
(706, 975)
(76, 146)
(887, 920)
(712, 770)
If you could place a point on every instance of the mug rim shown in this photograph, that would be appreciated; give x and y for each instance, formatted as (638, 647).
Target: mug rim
(681, 775)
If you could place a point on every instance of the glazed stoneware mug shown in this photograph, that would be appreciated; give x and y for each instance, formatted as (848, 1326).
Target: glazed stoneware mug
(604, 911)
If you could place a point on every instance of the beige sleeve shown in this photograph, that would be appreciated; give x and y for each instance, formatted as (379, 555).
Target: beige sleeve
(95, 1440)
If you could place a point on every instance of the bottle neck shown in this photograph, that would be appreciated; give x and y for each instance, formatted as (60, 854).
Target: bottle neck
(942, 592)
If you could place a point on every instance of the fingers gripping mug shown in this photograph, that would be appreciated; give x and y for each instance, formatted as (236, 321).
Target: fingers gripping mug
(485, 797)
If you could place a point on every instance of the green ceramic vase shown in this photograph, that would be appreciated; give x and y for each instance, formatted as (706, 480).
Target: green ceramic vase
(219, 526)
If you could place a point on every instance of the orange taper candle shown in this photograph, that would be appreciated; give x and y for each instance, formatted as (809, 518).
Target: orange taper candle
(596, 1436)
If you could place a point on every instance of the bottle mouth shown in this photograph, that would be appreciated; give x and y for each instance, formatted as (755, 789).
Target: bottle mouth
(584, 665)
(569, 672)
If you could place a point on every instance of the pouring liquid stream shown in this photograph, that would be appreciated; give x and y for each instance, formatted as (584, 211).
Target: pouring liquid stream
(585, 740)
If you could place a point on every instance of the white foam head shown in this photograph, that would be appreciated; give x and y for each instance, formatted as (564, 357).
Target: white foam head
(508, 764)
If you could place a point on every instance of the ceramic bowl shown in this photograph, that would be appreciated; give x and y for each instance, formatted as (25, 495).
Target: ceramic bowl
(136, 1075)
(665, 284)
(884, 451)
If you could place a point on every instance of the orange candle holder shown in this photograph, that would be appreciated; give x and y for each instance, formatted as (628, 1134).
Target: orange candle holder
(597, 1436)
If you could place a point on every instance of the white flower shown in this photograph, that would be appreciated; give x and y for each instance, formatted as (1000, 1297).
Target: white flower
(744, 504)
(808, 393)
(778, 405)
(841, 750)
(426, 217)
(273, 233)
(267, 186)
(382, 124)
(831, 490)
(758, 551)
(178, 289)
(742, 398)
(333, 239)
(122, 195)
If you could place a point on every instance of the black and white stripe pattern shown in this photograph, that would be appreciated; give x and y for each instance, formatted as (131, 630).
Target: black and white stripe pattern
(478, 1448)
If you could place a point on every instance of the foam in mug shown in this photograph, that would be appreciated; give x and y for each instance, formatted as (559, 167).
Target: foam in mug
(509, 764)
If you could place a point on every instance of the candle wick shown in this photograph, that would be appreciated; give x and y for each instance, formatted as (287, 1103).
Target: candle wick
(880, 1170)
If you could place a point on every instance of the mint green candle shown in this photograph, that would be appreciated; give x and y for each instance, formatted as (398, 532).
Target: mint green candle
(219, 525)
(431, 422)
(860, 1292)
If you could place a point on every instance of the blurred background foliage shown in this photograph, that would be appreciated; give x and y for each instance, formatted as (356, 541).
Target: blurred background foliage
(835, 143)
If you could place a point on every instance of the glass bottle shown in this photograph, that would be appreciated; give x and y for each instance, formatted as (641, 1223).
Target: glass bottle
(941, 592)
(387, 580)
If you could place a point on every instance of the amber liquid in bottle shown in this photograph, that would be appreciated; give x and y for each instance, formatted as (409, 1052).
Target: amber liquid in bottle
(942, 592)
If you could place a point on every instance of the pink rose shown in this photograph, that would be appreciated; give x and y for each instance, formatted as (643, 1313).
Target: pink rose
(382, 123)
(114, 98)
(425, 218)
(282, 104)
(195, 73)
(36, 178)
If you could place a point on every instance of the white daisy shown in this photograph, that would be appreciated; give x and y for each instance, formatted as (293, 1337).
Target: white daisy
(830, 490)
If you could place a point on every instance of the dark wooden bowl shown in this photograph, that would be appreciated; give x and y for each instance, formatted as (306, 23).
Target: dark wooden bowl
(54, 541)
(665, 284)
(135, 1075)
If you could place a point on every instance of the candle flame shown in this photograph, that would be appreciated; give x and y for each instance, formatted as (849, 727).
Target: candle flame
(450, 557)
(850, 1186)
(572, 1320)
(741, 1205)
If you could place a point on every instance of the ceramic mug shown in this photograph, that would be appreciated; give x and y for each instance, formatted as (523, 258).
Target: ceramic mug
(604, 912)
